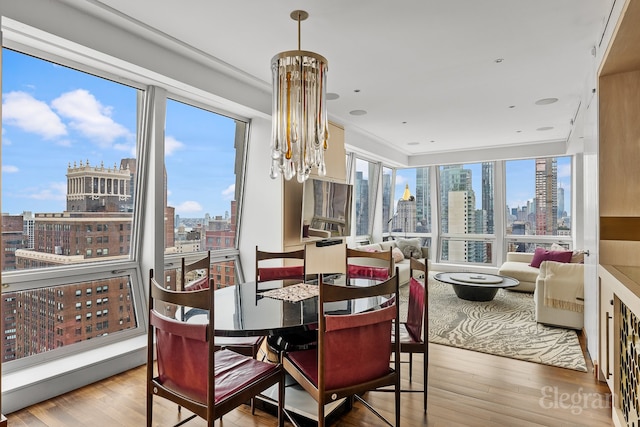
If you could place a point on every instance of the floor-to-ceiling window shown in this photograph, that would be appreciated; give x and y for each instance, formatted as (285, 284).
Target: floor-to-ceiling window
(365, 188)
(68, 203)
(466, 195)
(412, 207)
(203, 180)
(538, 203)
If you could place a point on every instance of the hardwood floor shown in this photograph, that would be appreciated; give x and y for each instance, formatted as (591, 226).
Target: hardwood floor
(465, 389)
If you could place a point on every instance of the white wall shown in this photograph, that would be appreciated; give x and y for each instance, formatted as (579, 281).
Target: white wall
(262, 204)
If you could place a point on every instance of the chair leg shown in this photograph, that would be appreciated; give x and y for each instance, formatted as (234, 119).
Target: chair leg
(425, 379)
(281, 391)
(410, 365)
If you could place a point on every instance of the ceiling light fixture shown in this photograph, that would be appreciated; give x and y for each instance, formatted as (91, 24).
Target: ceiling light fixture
(300, 128)
(546, 101)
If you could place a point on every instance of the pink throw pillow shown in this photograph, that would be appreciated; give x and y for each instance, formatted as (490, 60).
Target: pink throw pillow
(542, 254)
(397, 254)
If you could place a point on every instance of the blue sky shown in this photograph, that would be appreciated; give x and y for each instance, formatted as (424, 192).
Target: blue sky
(53, 116)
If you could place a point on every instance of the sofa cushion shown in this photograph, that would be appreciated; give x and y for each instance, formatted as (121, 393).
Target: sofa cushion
(386, 245)
(520, 271)
(542, 254)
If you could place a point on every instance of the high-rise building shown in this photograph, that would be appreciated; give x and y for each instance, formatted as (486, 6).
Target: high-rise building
(13, 239)
(423, 202)
(546, 200)
(386, 201)
(405, 218)
(362, 204)
(561, 212)
(487, 196)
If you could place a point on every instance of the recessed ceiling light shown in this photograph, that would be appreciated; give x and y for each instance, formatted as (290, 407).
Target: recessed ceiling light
(499, 60)
(512, 106)
(518, 131)
(332, 96)
(432, 140)
(546, 101)
(545, 128)
(357, 112)
(356, 90)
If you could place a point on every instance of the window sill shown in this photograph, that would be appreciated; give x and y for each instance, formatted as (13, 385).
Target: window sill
(25, 387)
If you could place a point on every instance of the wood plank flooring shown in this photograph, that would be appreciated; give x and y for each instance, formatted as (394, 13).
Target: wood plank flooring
(465, 389)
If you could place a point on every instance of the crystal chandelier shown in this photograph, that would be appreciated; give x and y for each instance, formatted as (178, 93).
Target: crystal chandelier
(300, 128)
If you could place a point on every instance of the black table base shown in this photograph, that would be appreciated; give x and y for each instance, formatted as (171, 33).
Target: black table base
(475, 293)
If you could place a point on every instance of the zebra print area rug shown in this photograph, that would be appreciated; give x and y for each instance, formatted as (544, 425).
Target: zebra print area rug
(505, 327)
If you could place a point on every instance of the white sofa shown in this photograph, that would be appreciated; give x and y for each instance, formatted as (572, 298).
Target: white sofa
(561, 283)
(403, 265)
(559, 294)
(517, 266)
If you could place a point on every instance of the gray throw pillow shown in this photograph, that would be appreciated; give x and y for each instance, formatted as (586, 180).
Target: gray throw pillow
(412, 252)
(403, 243)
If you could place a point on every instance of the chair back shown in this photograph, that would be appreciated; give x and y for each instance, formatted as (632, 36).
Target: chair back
(183, 350)
(267, 273)
(190, 282)
(369, 265)
(417, 307)
(356, 349)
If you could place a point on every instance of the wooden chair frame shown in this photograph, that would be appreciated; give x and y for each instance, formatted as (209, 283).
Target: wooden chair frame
(421, 345)
(210, 411)
(385, 259)
(331, 293)
(286, 255)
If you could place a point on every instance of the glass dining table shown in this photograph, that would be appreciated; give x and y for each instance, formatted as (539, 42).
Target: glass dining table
(247, 310)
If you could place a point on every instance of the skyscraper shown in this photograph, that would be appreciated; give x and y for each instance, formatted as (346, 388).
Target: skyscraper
(423, 202)
(546, 196)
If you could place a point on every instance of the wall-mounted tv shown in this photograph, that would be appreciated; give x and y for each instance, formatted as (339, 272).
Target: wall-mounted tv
(326, 209)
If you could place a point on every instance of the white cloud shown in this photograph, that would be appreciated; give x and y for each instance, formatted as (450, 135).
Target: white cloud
(229, 193)
(31, 115)
(55, 191)
(188, 207)
(9, 169)
(89, 117)
(171, 144)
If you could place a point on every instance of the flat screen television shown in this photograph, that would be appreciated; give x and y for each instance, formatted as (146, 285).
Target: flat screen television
(326, 209)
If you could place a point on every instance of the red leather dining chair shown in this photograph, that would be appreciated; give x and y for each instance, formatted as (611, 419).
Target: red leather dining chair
(369, 265)
(249, 346)
(302, 339)
(288, 271)
(414, 332)
(354, 351)
(189, 371)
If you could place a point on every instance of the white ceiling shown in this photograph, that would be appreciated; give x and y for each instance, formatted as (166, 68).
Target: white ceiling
(425, 70)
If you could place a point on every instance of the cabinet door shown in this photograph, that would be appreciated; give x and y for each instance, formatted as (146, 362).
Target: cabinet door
(605, 311)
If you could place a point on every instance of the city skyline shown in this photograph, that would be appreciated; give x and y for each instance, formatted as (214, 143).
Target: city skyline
(520, 179)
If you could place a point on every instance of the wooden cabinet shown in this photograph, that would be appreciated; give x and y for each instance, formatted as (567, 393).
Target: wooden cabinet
(605, 315)
(619, 216)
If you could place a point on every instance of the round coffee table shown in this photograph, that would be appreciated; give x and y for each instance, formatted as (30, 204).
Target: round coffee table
(476, 286)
